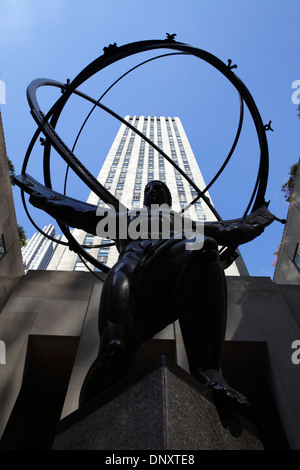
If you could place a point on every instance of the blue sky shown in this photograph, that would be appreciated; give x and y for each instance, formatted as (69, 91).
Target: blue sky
(56, 39)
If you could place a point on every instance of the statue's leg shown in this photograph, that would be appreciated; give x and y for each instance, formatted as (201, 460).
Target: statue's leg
(120, 335)
(203, 324)
(203, 321)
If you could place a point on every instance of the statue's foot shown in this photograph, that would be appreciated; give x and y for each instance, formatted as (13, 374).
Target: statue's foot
(222, 393)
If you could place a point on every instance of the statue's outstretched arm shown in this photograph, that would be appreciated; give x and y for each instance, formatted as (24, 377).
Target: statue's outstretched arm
(66, 210)
(238, 231)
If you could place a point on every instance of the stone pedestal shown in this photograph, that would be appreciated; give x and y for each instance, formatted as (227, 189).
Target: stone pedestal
(160, 407)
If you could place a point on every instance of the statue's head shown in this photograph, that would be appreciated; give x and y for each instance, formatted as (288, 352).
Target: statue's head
(157, 192)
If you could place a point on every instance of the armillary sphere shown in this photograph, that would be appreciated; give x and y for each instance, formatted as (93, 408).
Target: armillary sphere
(47, 124)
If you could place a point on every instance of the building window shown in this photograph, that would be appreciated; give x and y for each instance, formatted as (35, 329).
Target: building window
(296, 259)
(106, 241)
(200, 215)
(2, 247)
(98, 269)
(100, 203)
(118, 193)
(102, 259)
(103, 251)
(80, 266)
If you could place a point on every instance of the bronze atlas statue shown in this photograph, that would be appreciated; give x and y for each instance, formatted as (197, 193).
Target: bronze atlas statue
(158, 277)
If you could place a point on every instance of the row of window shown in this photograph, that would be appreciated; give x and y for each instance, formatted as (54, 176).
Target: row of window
(122, 143)
(187, 169)
(139, 174)
(102, 255)
(178, 177)
(150, 170)
(122, 177)
(125, 164)
(161, 160)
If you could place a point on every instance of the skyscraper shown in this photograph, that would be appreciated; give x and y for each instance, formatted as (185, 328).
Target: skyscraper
(39, 250)
(129, 165)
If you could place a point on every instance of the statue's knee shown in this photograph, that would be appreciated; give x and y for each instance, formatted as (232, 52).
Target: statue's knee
(210, 250)
(210, 244)
(117, 287)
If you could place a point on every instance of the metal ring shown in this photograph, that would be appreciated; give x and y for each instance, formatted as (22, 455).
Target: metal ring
(112, 55)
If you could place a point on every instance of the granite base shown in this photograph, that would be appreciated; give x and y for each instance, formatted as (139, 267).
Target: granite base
(160, 407)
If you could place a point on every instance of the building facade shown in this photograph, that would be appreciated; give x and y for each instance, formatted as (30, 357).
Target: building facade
(39, 249)
(287, 269)
(129, 165)
(10, 250)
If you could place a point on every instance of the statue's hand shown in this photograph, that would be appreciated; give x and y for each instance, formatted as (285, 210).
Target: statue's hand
(38, 200)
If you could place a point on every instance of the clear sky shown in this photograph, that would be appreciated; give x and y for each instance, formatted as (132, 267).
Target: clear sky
(57, 38)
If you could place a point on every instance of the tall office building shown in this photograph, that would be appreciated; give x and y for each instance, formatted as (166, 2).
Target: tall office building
(39, 250)
(129, 165)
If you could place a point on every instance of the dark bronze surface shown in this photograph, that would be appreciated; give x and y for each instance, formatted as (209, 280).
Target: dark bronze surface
(155, 281)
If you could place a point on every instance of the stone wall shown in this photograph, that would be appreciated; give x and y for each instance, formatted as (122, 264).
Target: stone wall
(50, 318)
(11, 264)
(285, 271)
